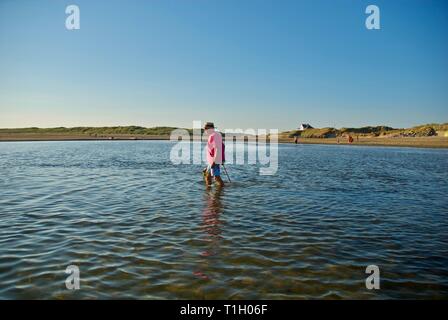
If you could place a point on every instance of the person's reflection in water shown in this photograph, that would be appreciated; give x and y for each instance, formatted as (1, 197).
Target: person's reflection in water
(211, 225)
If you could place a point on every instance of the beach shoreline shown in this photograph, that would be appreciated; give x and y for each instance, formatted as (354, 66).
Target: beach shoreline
(64, 137)
(416, 142)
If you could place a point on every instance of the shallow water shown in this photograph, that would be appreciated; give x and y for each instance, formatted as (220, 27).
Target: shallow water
(139, 227)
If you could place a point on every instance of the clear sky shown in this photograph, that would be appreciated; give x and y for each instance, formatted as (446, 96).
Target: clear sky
(240, 63)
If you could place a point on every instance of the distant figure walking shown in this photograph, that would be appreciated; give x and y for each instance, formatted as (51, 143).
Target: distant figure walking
(350, 139)
(296, 139)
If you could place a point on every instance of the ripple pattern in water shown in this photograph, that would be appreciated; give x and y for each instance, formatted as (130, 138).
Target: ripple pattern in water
(139, 227)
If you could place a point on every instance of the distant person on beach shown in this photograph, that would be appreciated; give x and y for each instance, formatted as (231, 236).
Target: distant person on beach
(296, 139)
(350, 139)
(215, 155)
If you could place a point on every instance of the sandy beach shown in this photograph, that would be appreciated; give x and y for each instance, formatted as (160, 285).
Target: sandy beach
(417, 142)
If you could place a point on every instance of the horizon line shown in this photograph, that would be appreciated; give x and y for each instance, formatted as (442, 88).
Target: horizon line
(179, 127)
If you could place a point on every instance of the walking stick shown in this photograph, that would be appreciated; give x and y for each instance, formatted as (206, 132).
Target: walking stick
(225, 170)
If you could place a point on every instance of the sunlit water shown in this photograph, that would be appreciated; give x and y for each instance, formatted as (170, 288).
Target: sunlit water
(139, 227)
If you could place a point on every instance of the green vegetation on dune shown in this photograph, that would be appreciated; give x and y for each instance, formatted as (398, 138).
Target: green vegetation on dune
(318, 133)
(367, 130)
(370, 131)
(436, 126)
(92, 131)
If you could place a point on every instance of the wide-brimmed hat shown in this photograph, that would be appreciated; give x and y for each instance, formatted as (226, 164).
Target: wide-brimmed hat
(209, 125)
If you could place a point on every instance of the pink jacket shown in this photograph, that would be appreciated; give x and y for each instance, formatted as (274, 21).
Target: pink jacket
(214, 148)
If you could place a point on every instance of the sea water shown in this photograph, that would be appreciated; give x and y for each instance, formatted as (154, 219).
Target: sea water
(138, 226)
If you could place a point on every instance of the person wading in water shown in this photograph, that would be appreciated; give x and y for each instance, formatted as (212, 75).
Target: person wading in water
(215, 155)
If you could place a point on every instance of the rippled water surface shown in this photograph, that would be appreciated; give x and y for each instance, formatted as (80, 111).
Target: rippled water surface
(139, 227)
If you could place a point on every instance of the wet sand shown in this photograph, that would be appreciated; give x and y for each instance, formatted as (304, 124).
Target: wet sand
(418, 142)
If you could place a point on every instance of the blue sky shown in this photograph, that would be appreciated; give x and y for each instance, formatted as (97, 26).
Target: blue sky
(240, 63)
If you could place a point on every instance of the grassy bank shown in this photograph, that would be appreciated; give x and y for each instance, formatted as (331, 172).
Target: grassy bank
(426, 130)
(431, 135)
(423, 136)
(93, 131)
(86, 133)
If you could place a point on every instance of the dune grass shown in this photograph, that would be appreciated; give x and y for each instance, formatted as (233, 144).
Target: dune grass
(425, 130)
(93, 131)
